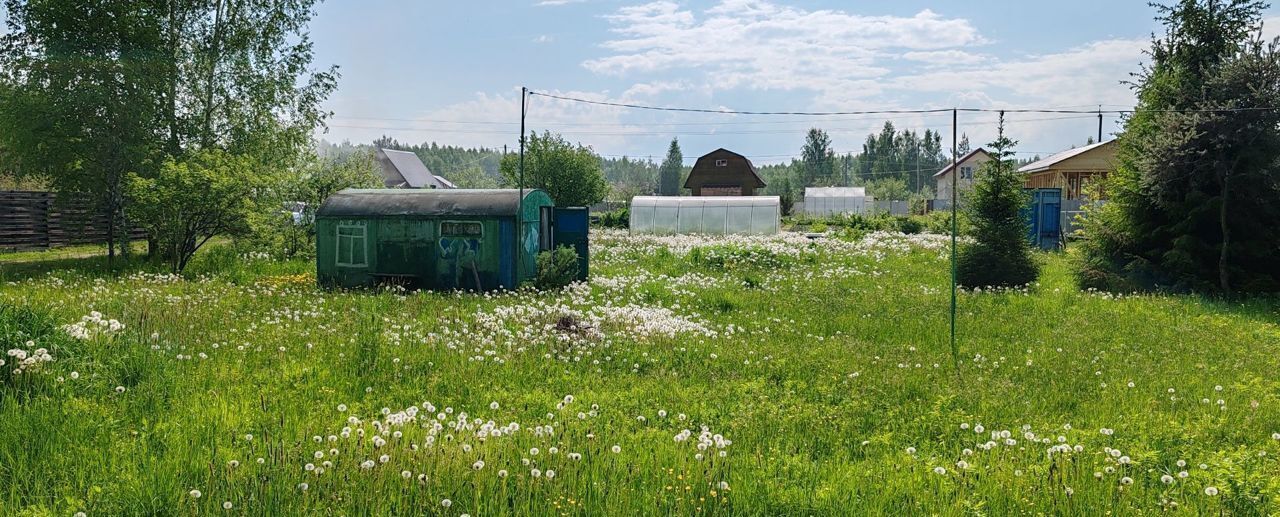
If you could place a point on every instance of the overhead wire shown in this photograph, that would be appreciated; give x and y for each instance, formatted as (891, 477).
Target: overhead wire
(895, 111)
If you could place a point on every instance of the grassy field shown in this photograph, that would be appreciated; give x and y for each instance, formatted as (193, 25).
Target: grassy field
(762, 376)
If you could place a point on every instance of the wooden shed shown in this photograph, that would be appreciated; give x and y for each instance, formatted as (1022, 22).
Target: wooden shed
(439, 239)
(724, 173)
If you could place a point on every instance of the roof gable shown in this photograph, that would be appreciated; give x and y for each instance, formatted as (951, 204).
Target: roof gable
(972, 154)
(1088, 151)
(706, 166)
(405, 169)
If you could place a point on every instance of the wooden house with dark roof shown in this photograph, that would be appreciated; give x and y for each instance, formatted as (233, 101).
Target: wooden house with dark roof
(724, 173)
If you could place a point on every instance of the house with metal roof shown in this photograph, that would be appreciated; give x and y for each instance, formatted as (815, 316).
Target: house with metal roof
(403, 169)
(442, 239)
(724, 173)
(1072, 170)
(968, 166)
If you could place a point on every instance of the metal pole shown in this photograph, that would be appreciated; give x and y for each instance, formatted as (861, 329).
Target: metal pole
(519, 233)
(955, 171)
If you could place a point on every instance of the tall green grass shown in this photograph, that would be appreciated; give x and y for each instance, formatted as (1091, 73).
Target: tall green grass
(826, 366)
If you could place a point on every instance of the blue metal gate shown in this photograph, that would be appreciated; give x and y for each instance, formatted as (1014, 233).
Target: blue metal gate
(572, 226)
(1044, 217)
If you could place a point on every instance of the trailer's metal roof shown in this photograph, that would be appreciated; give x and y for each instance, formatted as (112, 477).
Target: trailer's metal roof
(422, 202)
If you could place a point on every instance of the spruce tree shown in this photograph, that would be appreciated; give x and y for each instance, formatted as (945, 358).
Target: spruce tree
(1192, 203)
(669, 173)
(999, 255)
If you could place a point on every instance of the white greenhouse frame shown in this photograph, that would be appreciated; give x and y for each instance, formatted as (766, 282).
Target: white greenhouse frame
(712, 215)
(824, 201)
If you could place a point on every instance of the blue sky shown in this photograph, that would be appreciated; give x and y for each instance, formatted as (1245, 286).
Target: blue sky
(450, 72)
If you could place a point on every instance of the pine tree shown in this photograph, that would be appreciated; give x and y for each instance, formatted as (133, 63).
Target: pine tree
(999, 255)
(669, 173)
(962, 148)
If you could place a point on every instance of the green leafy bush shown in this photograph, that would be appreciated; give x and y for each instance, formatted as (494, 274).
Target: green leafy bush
(620, 218)
(556, 268)
(939, 221)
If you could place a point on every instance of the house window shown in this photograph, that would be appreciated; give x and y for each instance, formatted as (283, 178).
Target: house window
(966, 173)
(722, 163)
(351, 245)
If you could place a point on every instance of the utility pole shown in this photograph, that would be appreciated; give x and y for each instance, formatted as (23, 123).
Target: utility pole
(919, 181)
(519, 233)
(1099, 123)
(955, 227)
(847, 181)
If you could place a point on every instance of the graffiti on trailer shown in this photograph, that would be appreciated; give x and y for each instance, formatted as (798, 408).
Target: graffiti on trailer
(459, 255)
(530, 244)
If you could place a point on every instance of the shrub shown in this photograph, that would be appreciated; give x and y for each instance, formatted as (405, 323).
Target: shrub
(190, 202)
(939, 221)
(909, 225)
(620, 218)
(556, 268)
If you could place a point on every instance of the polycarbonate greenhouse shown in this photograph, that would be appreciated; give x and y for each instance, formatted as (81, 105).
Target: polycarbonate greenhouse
(823, 201)
(756, 215)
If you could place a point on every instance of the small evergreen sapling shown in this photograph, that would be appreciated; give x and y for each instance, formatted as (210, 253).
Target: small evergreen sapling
(999, 255)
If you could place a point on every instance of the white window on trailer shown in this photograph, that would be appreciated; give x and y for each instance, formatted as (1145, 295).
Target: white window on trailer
(352, 240)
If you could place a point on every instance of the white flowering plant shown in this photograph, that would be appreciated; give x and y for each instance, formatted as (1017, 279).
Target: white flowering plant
(690, 375)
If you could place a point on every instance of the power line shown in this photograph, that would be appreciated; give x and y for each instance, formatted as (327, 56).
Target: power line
(552, 126)
(733, 112)
(895, 111)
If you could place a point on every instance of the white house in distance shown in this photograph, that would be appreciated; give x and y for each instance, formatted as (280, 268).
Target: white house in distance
(968, 165)
(403, 169)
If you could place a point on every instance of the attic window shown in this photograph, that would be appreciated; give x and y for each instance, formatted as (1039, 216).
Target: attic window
(722, 163)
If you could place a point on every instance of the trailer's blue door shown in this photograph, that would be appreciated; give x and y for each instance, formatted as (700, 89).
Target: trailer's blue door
(571, 229)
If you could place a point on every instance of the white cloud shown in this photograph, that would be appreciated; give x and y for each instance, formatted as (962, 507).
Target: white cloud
(763, 45)
(1090, 73)
(946, 57)
(553, 3)
(1271, 27)
(543, 38)
(493, 120)
(656, 88)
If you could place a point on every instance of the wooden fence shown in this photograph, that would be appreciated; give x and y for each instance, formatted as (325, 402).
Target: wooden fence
(36, 220)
